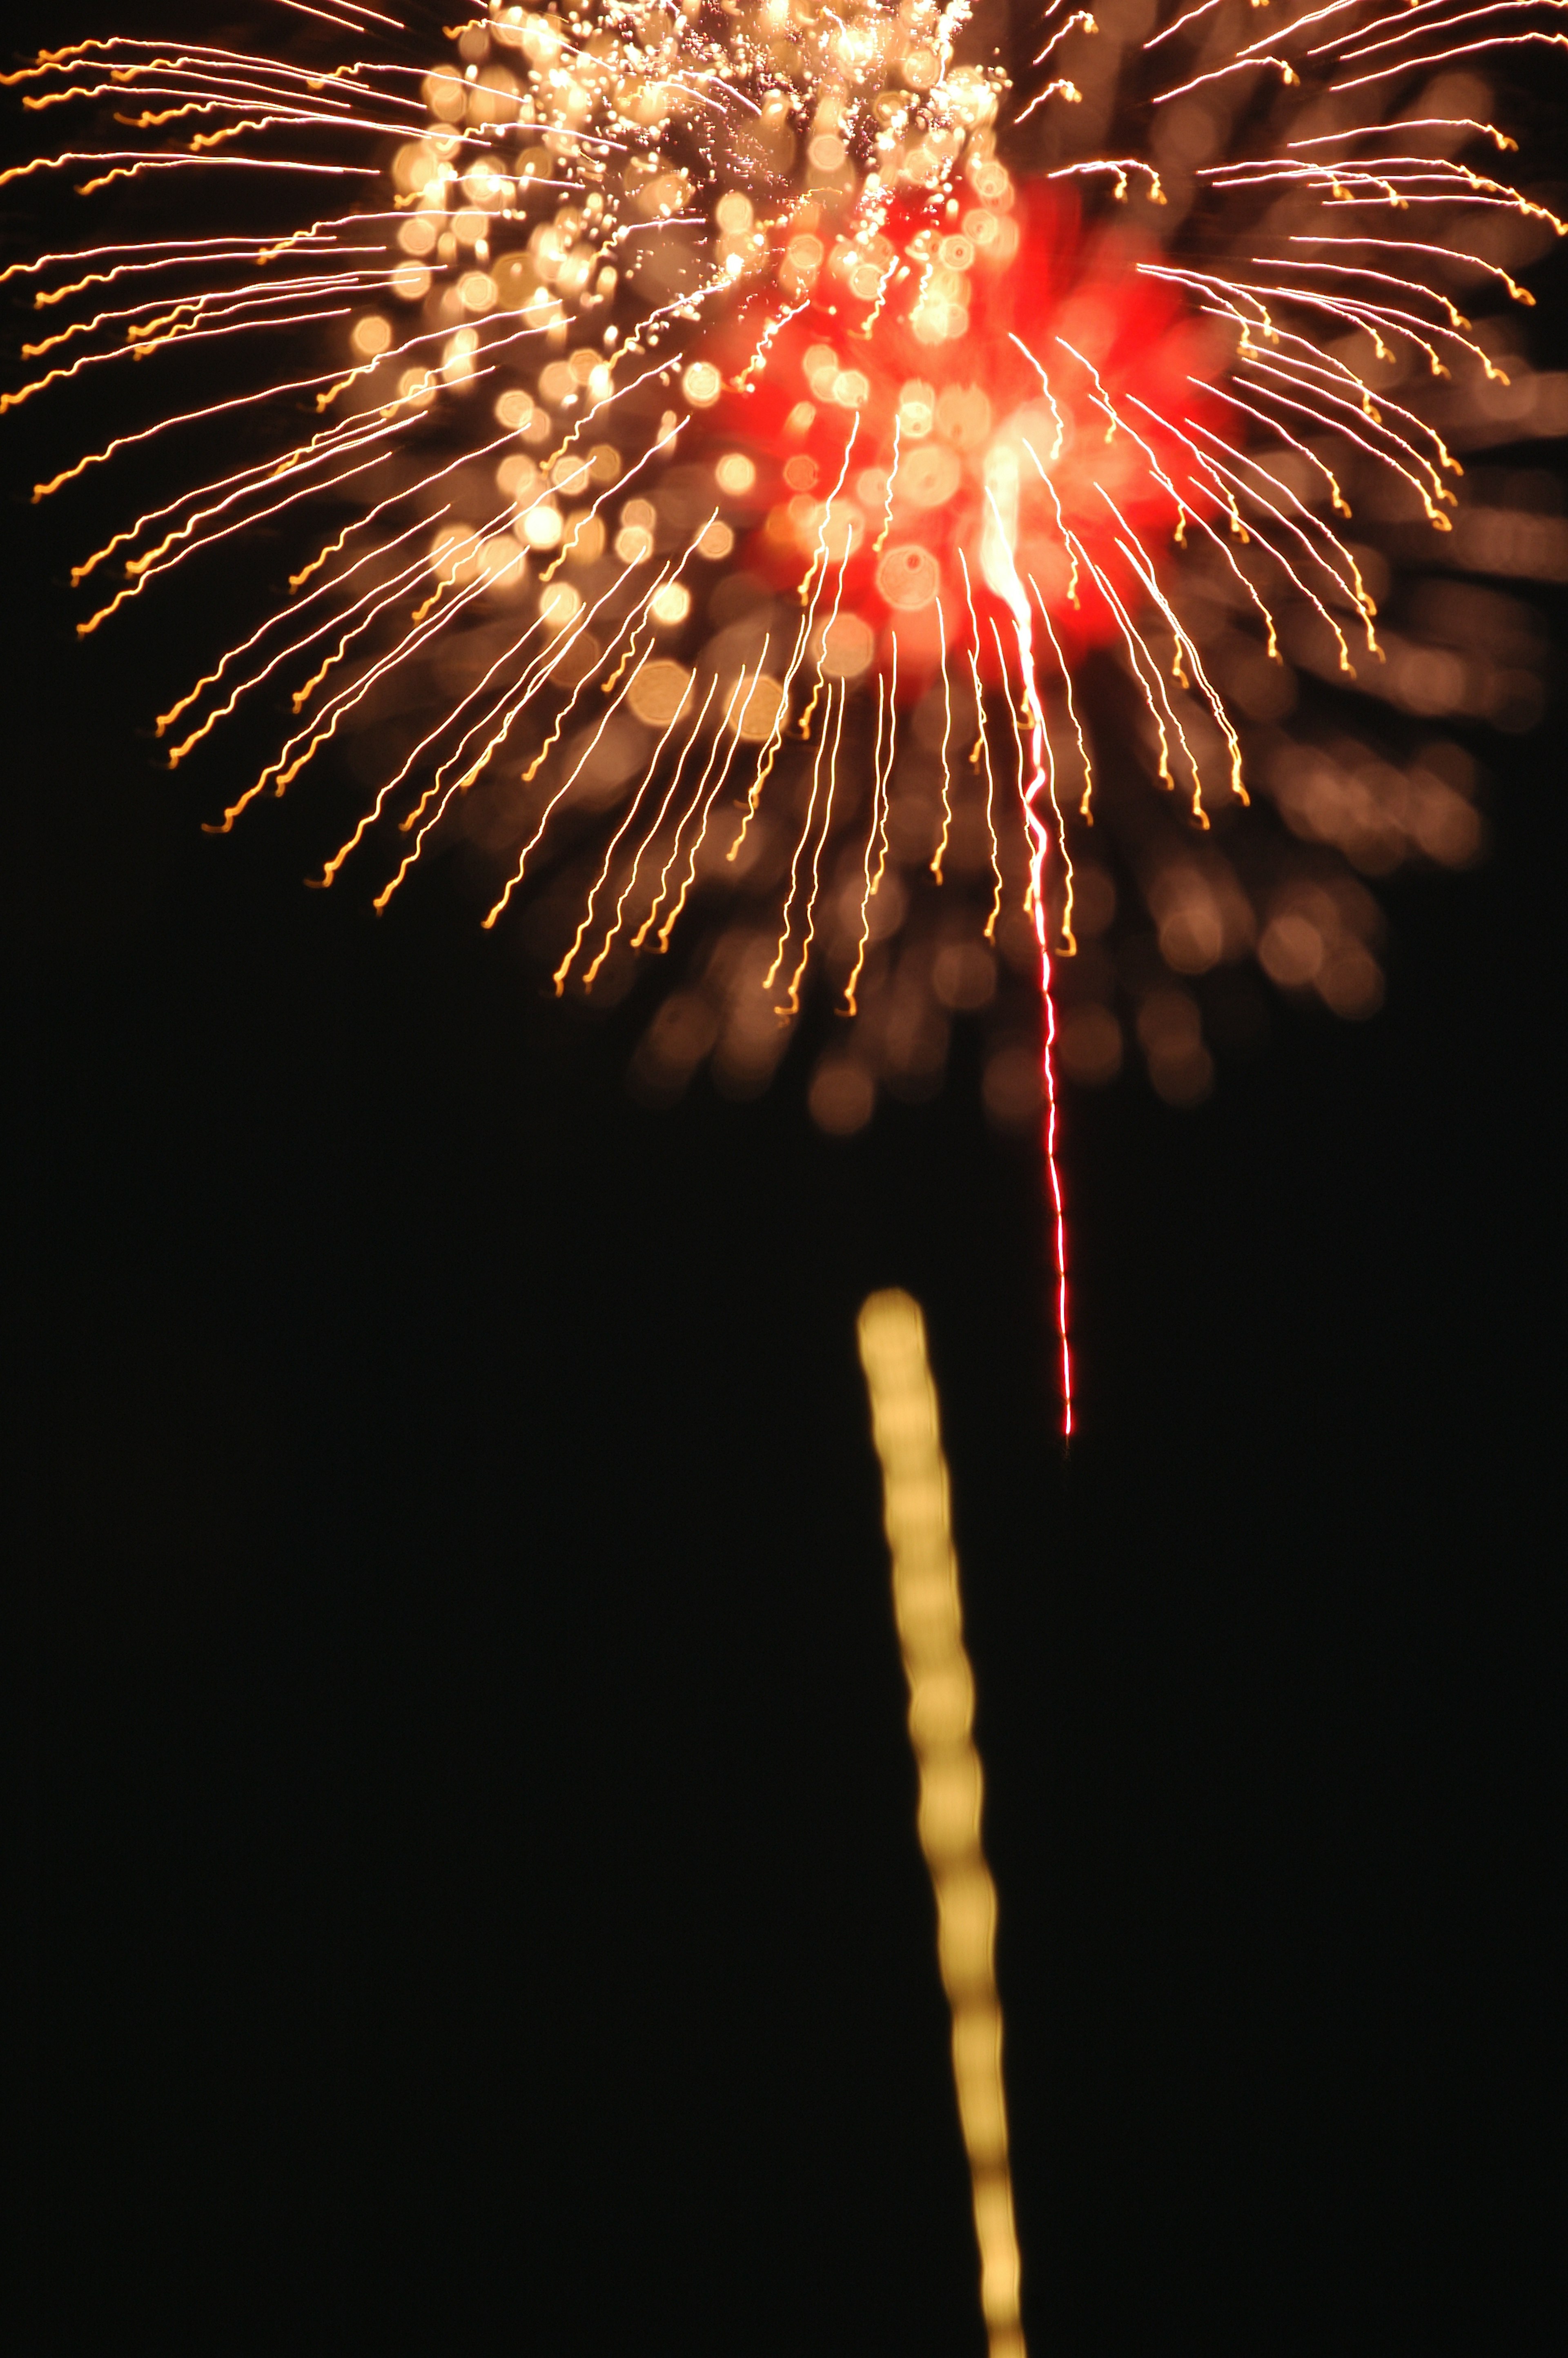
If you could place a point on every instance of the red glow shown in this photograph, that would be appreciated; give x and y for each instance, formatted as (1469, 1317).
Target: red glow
(975, 431)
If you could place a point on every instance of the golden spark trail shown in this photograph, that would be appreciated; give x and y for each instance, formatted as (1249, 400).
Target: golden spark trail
(809, 934)
(906, 1431)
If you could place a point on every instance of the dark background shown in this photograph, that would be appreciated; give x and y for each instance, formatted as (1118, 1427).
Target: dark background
(469, 1889)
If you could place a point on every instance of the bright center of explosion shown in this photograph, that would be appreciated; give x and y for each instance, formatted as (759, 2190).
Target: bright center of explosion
(961, 406)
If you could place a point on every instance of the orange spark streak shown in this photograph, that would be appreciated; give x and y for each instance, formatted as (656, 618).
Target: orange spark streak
(809, 935)
(732, 721)
(693, 734)
(560, 976)
(787, 922)
(947, 741)
(875, 833)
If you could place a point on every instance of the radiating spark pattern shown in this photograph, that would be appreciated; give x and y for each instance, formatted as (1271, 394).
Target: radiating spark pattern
(786, 448)
(904, 1425)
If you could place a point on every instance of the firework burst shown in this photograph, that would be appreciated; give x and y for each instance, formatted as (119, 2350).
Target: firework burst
(795, 449)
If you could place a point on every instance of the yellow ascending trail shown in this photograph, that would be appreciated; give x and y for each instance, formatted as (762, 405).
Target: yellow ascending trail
(941, 1713)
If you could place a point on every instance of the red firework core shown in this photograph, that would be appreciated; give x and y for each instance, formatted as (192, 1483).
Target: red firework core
(937, 456)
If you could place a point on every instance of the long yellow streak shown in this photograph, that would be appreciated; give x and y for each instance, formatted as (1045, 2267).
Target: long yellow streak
(444, 785)
(1143, 564)
(1217, 485)
(693, 734)
(907, 1430)
(627, 627)
(1189, 516)
(1304, 367)
(616, 490)
(1439, 491)
(387, 595)
(46, 62)
(611, 849)
(810, 935)
(787, 924)
(874, 831)
(947, 739)
(511, 707)
(214, 302)
(234, 654)
(460, 785)
(732, 719)
(1413, 286)
(139, 351)
(689, 813)
(1149, 679)
(385, 589)
(887, 770)
(232, 94)
(1086, 807)
(1464, 50)
(417, 753)
(1139, 558)
(815, 575)
(881, 542)
(515, 699)
(1409, 29)
(672, 574)
(983, 753)
(197, 58)
(215, 68)
(376, 600)
(143, 322)
(1341, 505)
(369, 819)
(1370, 317)
(180, 418)
(132, 163)
(1135, 638)
(810, 597)
(1447, 254)
(335, 385)
(1348, 433)
(805, 717)
(158, 560)
(161, 253)
(1499, 139)
(1102, 398)
(1035, 362)
(1018, 739)
(253, 253)
(769, 751)
(1228, 476)
(980, 756)
(317, 733)
(1067, 946)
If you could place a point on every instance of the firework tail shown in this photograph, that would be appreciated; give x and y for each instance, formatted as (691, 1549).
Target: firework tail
(904, 1425)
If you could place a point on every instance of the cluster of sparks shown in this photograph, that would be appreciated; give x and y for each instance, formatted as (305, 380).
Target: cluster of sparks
(763, 452)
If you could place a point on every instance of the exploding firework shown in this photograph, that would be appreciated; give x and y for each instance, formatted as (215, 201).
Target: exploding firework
(806, 452)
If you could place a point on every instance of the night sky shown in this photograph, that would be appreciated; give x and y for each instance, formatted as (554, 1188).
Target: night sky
(470, 1895)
